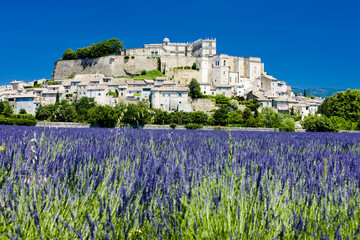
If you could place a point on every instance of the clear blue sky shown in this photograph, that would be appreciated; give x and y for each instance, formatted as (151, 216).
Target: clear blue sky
(308, 43)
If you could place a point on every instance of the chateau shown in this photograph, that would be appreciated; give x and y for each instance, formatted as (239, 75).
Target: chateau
(217, 74)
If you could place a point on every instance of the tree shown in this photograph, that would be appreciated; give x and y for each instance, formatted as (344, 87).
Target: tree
(44, 112)
(319, 124)
(22, 111)
(7, 109)
(195, 90)
(69, 54)
(82, 107)
(271, 119)
(221, 100)
(234, 104)
(235, 117)
(199, 117)
(287, 125)
(311, 96)
(343, 104)
(221, 115)
(57, 97)
(136, 114)
(194, 66)
(83, 53)
(103, 116)
(304, 92)
(159, 64)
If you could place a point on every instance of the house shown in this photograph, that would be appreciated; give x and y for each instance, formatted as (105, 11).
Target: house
(171, 99)
(29, 102)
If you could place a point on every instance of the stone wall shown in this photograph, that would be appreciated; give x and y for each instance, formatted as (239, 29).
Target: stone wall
(183, 76)
(62, 125)
(116, 65)
(205, 105)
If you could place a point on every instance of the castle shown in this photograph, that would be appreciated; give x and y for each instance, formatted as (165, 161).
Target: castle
(216, 73)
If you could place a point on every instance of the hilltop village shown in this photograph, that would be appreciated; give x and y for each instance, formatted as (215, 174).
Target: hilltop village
(169, 68)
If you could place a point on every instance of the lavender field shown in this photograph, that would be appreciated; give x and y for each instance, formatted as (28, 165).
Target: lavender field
(178, 184)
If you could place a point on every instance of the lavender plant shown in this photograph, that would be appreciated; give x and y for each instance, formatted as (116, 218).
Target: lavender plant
(177, 184)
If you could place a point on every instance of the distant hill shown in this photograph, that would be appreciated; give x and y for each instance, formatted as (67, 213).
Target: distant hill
(317, 92)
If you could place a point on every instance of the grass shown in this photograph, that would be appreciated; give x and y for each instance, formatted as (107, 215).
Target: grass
(150, 75)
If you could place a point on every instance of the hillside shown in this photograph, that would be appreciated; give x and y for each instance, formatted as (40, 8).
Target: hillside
(318, 92)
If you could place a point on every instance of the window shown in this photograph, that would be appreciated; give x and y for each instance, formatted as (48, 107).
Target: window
(224, 63)
(99, 94)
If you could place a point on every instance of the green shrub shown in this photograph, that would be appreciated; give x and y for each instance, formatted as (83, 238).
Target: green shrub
(193, 126)
(187, 67)
(143, 72)
(126, 57)
(319, 124)
(194, 67)
(15, 120)
(173, 125)
(132, 57)
(287, 125)
(217, 128)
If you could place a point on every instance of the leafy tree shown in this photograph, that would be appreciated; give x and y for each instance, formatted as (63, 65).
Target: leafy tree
(194, 66)
(44, 112)
(83, 53)
(221, 115)
(82, 107)
(304, 92)
(7, 109)
(287, 125)
(195, 90)
(162, 117)
(136, 114)
(103, 116)
(63, 112)
(319, 124)
(271, 119)
(341, 123)
(234, 104)
(221, 100)
(343, 104)
(57, 97)
(311, 96)
(159, 64)
(199, 117)
(69, 54)
(22, 111)
(235, 117)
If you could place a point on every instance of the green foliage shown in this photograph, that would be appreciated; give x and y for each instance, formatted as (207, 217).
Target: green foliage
(221, 115)
(18, 119)
(222, 100)
(235, 117)
(57, 97)
(234, 104)
(49, 83)
(5, 108)
(104, 48)
(114, 94)
(342, 124)
(150, 75)
(136, 114)
(319, 124)
(22, 111)
(271, 119)
(195, 91)
(199, 117)
(71, 76)
(193, 126)
(311, 96)
(126, 57)
(287, 125)
(304, 92)
(69, 54)
(162, 117)
(143, 72)
(343, 104)
(159, 64)
(103, 116)
(194, 67)
(173, 125)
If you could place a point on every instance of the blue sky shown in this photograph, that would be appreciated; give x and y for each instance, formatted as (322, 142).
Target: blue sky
(305, 43)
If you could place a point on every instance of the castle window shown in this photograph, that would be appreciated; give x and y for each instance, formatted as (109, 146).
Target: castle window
(224, 63)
